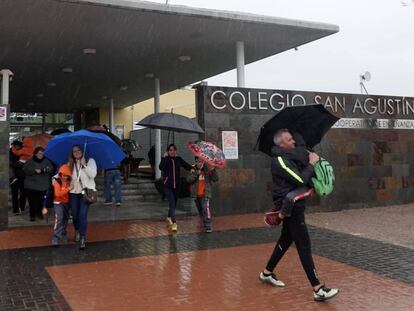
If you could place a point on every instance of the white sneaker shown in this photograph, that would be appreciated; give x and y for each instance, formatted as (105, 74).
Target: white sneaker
(271, 279)
(324, 293)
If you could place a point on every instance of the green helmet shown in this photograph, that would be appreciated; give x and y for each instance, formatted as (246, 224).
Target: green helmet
(323, 183)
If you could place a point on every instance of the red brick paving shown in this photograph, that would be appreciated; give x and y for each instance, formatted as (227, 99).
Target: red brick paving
(105, 231)
(222, 279)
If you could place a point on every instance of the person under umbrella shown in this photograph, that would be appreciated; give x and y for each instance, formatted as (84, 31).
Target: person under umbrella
(207, 157)
(87, 151)
(84, 171)
(286, 176)
(201, 178)
(170, 167)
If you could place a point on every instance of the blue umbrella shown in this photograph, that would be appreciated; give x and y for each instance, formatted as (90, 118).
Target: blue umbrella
(98, 146)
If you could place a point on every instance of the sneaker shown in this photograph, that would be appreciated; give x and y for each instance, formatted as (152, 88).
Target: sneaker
(169, 221)
(17, 213)
(174, 227)
(82, 243)
(118, 204)
(64, 240)
(209, 230)
(55, 243)
(271, 279)
(107, 203)
(77, 237)
(324, 293)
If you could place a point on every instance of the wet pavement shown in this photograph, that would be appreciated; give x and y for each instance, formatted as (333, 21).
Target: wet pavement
(140, 265)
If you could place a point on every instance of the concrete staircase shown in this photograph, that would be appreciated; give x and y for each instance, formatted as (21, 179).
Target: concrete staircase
(137, 190)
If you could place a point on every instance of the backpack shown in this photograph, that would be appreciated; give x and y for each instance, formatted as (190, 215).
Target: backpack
(324, 179)
(50, 194)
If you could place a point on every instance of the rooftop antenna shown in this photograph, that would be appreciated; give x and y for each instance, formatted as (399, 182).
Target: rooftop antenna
(365, 77)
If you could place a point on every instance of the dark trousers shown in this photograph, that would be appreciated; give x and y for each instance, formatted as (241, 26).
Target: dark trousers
(79, 209)
(171, 195)
(290, 200)
(61, 222)
(295, 230)
(18, 195)
(203, 207)
(35, 199)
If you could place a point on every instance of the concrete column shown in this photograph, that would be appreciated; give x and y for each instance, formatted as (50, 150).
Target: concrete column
(157, 132)
(111, 116)
(4, 152)
(240, 63)
(5, 79)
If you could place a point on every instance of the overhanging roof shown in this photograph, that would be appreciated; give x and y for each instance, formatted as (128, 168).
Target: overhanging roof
(38, 38)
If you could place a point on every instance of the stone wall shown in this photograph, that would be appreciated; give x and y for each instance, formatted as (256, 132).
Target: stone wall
(373, 166)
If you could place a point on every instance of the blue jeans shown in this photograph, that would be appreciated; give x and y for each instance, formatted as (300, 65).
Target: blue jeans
(203, 207)
(113, 176)
(79, 213)
(171, 195)
(61, 222)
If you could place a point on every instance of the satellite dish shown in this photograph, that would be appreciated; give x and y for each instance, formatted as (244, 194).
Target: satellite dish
(366, 76)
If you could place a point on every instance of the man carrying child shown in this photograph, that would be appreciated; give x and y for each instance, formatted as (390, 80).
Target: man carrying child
(289, 174)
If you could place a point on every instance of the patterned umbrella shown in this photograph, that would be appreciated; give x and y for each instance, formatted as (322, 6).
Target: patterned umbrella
(208, 152)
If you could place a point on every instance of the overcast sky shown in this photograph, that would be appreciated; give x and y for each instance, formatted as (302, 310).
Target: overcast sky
(375, 36)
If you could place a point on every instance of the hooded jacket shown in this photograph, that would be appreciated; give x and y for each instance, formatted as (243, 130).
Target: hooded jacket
(62, 189)
(170, 168)
(289, 171)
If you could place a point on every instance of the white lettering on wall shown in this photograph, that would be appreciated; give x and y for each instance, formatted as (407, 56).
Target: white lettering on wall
(370, 109)
(249, 99)
(280, 103)
(300, 100)
(212, 99)
(261, 99)
(241, 96)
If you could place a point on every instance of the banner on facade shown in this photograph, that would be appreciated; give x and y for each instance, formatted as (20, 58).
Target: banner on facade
(230, 145)
(3, 113)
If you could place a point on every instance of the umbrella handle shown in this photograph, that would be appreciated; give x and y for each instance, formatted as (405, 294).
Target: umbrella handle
(84, 153)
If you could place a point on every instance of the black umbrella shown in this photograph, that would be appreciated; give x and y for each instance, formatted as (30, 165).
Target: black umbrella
(311, 121)
(171, 122)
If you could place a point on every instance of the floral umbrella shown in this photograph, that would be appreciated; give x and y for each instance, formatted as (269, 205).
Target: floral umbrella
(208, 152)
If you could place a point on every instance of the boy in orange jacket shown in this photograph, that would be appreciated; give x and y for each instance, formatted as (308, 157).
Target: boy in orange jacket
(62, 185)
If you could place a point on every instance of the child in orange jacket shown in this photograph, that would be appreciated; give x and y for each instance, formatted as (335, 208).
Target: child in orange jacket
(61, 185)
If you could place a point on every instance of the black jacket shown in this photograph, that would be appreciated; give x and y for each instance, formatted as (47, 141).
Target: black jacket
(170, 168)
(287, 174)
(16, 166)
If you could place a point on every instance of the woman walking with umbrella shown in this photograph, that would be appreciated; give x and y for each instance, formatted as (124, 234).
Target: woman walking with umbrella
(170, 167)
(87, 152)
(84, 172)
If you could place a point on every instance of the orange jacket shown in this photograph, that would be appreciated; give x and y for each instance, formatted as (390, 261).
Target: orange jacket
(61, 191)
